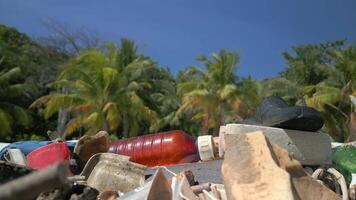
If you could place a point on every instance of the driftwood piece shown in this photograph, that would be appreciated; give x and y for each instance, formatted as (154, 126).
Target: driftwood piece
(10, 171)
(31, 185)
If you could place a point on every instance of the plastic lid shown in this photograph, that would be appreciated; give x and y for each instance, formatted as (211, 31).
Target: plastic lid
(206, 147)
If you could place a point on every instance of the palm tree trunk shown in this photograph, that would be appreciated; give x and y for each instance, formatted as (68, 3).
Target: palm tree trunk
(205, 124)
(221, 118)
(62, 120)
(125, 122)
(63, 116)
(352, 127)
(105, 126)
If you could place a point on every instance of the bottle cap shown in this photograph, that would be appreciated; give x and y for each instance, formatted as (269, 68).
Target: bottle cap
(206, 147)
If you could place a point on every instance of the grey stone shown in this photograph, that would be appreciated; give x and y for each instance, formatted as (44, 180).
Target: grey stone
(309, 148)
(209, 171)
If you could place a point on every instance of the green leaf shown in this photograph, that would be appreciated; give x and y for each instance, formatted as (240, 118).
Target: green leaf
(5, 123)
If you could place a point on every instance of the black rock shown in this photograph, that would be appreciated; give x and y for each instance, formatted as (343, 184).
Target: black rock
(275, 112)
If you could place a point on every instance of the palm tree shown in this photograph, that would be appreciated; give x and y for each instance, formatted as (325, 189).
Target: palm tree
(324, 75)
(165, 100)
(332, 97)
(244, 105)
(352, 125)
(206, 93)
(10, 89)
(334, 105)
(310, 64)
(103, 91)
(282, 87)
(136, 70)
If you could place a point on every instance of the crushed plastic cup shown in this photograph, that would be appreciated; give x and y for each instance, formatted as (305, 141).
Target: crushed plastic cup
(48, 155)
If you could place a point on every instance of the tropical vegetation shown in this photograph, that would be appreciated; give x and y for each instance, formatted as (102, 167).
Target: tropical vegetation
(115, 87)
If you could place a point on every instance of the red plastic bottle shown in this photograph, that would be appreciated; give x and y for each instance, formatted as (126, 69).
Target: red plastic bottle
(166, 148)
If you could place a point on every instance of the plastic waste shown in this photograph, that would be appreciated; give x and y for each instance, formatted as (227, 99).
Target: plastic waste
(108, 171)
(15, 156)
(157, 188)
(332, 179)
(206, 147)
(181, 188)
(48, 155)
(344, 160)
(3, 145)
(27, 146)
(166, 148)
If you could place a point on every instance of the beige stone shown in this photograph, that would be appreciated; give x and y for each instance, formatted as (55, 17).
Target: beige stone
(254, 168)
(249, 170)
(309, 148)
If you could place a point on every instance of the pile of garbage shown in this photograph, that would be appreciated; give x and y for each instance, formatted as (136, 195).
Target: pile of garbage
(269, 157)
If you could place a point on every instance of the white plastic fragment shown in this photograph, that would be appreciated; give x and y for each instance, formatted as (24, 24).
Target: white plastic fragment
(206, 147)
(209, 196)
(341, 180)
(339, 177)
(15, 156)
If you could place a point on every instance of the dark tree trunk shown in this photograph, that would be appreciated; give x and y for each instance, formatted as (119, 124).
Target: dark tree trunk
(125, 122)
(205, 124)
(352, 127)
(221, 118)
(105, 126)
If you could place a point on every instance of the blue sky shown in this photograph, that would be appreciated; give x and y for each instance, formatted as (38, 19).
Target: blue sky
(175, 32)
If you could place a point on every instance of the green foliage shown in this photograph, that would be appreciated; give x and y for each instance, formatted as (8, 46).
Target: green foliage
(120, 90)
(39, 65)
(25, 69)
(103, 90)
(10, 113)
(207, 95)
(311, 63)
(324, 75)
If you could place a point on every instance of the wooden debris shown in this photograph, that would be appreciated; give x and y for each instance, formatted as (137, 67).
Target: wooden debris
(87, 146)
(31, 185)
(10, 171)
(108, 195)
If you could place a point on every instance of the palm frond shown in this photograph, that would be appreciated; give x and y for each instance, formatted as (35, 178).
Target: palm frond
(73, 125)
(55, 101)
(92, 119)
(16, 90)
(112, 115)
(5, 123)
(186, 87)
(228, 91)
(5, 77)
